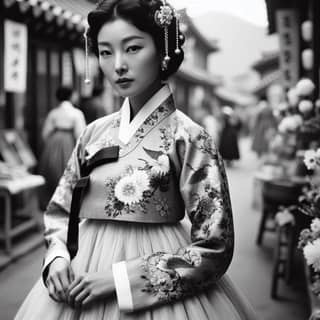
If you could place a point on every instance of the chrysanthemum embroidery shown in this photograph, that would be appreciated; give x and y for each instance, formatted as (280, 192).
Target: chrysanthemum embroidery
(137, 187)
(125, 194)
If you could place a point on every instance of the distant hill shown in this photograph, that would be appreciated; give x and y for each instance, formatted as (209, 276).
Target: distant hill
(241, 43)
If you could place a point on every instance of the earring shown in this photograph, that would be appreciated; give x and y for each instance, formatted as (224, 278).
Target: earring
(87, 71)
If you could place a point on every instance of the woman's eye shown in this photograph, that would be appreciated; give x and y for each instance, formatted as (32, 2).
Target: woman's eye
(133, 49)
(104, 53)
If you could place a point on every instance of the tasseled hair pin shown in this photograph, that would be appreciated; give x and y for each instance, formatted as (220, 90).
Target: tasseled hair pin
(163, 18)
(87, 71)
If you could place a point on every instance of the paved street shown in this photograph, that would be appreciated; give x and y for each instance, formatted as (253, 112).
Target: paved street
(250, 269)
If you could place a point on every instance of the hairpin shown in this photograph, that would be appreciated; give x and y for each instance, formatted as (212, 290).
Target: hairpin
(163, 19)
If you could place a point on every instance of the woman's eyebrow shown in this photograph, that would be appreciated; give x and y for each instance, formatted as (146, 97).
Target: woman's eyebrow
(124, 40)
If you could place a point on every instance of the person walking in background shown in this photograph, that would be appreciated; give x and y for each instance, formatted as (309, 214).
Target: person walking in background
(93, 107)
(264, 128)
(62, 126)
(228, 142)
(265, 124)
(135, 254)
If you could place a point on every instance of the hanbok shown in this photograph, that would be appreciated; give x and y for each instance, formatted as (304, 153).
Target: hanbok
(159, 218)
(60, 131)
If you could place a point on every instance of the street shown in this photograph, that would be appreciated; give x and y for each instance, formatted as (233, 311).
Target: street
(250, 269)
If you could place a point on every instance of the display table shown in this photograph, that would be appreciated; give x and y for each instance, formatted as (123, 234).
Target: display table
(16, 222)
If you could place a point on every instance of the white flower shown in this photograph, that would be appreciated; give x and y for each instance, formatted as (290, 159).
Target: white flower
(305, 106)
(305, 87)
(293, 97)
(128, 191)
(310, 159)
(315, 225)
(290, 123)
(142, 179)
(312, 254)
(161, 166)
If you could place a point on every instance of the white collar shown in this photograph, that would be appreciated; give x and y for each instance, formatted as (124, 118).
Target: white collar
(127, 129)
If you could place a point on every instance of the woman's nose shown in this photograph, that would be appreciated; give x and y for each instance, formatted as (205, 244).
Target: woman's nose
(120, 65)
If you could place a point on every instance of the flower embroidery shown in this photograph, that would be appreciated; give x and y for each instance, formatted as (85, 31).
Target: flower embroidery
(129, 189)
(161, 165)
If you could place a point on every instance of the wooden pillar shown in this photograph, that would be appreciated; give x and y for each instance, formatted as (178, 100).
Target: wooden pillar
(315, 12)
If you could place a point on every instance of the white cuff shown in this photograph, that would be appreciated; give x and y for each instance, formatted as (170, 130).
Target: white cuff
(122, 285)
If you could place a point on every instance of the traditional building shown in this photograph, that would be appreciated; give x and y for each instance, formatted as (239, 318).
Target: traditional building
(268, 69)
(193, 83)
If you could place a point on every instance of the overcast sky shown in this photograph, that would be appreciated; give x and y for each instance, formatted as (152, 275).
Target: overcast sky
(253, 11)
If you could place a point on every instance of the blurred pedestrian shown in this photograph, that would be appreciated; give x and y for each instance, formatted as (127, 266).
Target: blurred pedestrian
(93, 107)
(264, 128)
(61, 128)
(228, 143)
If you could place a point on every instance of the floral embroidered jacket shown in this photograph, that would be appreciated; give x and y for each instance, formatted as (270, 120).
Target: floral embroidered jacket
(168, 166)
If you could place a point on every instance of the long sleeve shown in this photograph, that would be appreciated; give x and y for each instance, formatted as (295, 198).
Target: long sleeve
(57, 213)
(163, 277)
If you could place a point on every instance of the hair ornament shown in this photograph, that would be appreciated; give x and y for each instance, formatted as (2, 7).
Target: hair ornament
(87, 72)
(163, 19)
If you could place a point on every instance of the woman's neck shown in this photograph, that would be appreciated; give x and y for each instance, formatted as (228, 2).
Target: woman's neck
(137, 102)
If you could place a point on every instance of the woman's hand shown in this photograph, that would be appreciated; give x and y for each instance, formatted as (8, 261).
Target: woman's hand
(90, 287)
(60, 276)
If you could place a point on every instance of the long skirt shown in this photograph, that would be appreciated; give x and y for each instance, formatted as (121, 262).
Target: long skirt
(103, 243)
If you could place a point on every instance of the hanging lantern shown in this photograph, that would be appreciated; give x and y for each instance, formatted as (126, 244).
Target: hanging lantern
(306, 30)
(307, 59)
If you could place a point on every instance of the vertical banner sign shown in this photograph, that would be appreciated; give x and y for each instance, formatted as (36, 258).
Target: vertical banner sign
(288, 31)
(67, 73)
(15, 56)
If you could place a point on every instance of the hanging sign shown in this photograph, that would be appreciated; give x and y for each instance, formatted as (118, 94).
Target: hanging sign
(15, 56)
(67, 72)
(288, 31)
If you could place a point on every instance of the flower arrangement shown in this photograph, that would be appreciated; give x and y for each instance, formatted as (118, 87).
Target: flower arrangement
(309, 240)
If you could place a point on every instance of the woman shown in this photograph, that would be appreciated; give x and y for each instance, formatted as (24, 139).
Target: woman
(228, 143)
(141, 168)
(61, 128)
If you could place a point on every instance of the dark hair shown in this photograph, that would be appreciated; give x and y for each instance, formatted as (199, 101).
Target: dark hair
(141, 14)
(64, 93)
(97, 90)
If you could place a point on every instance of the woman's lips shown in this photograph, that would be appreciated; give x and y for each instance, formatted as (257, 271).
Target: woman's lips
(124, 82)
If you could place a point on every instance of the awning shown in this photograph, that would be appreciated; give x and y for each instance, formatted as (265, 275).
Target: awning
(266, 81)
(69, 13)
(234, 97)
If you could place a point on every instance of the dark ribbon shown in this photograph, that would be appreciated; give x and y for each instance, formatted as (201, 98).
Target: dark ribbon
(104, 156)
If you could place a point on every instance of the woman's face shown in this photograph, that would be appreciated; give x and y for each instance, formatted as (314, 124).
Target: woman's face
(128, 57)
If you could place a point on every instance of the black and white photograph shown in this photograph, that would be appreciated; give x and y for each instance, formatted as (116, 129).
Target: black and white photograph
(159, 159)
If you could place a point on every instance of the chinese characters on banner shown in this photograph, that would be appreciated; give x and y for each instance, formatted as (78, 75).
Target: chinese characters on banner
(288, 30)
(67, 71)
(15, 56)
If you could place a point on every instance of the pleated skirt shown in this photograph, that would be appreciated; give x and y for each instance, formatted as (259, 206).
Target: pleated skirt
(103, 243)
